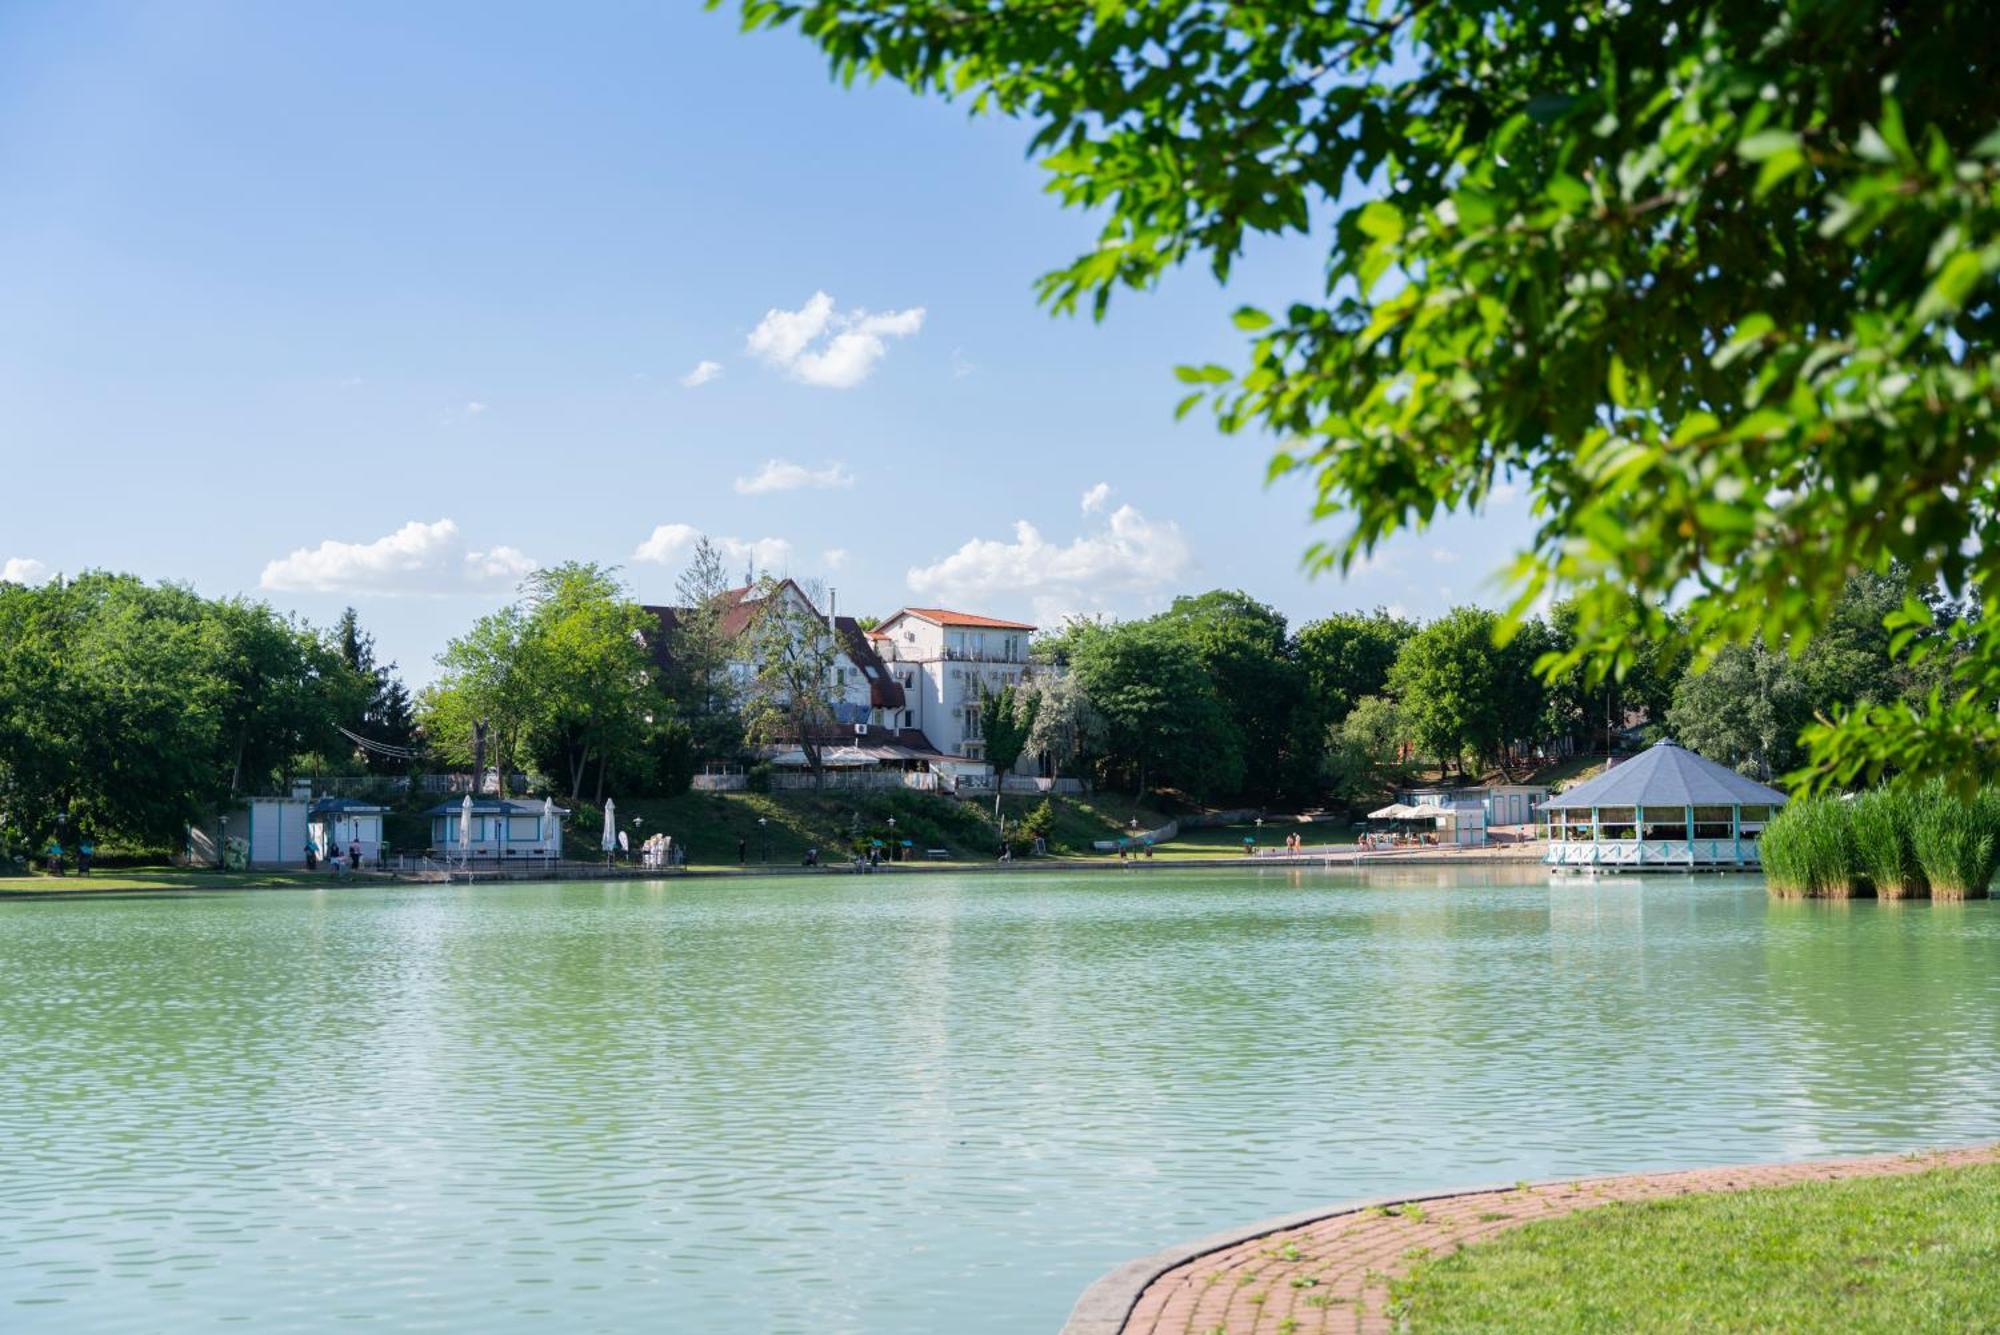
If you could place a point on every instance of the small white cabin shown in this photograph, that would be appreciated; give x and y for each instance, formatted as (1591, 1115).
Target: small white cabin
(336, 824)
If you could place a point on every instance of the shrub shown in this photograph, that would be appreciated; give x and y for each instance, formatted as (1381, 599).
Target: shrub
(1808, 849)
(1954, 841)
(1884, 850)
(758, 779)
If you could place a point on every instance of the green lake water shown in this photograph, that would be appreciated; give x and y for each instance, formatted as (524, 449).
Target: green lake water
(903, 1104)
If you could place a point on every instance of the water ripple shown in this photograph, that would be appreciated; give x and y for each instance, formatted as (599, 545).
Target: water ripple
(897, 1104)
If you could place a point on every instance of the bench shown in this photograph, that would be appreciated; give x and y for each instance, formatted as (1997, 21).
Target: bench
(937, 854)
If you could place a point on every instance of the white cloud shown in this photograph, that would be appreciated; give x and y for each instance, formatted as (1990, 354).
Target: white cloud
(833, 558)
(23, 570)
(1444, 556)
(1503, 493)
(782, 475)
(960, 367)
(670, 543)
(508, 563)
(416, 558)
(1130, 554)
(474, 408)
(704, 371)
(833, 349)
(1095, 497)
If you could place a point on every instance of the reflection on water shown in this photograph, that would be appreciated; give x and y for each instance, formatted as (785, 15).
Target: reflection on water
(898, 1104)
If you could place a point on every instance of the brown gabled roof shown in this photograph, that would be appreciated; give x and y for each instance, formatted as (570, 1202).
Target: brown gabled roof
(944, 616)
(884, 691)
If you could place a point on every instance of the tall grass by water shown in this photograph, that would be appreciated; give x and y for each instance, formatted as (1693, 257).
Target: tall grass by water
(1955, 842)
(1885, 852)
(1898, 842)
(1808, 849)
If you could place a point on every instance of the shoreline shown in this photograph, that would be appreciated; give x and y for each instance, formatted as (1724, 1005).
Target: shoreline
(1346, 858)
(1344, 1255)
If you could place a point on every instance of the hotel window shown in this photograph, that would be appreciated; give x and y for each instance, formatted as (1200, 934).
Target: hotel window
(972, 732)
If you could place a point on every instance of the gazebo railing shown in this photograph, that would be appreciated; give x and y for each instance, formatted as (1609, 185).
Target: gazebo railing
(1653, 853)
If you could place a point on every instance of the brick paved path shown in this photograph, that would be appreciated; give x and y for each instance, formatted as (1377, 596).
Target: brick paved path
(1332, 1274)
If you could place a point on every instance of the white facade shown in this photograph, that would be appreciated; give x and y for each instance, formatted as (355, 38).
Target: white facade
(946, 661)
(334, 831)
(850, 690)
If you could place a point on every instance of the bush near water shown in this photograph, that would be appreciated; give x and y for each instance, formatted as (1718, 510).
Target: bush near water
(1904, 841)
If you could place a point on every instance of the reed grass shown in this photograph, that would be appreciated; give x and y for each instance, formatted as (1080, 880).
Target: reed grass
(1956, 841)
(1808, 850)
(1885, 854)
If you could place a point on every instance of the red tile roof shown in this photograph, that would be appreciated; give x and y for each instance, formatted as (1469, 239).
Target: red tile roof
(946, 617)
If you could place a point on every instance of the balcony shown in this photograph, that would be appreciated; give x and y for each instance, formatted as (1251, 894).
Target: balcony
(1018, 657)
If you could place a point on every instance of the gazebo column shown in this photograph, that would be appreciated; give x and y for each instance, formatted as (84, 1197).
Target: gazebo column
(1596, 838)
(1736, 831)
(1690, 814)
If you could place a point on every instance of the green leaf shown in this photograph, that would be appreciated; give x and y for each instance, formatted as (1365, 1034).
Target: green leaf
(1568, 191)
(1249, 319)
(1381, 220)
(1767, 143)
(1954, 283)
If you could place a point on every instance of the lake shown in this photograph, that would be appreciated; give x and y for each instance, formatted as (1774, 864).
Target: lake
(898, 1103)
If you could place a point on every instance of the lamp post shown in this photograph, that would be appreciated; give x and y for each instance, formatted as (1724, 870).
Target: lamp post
(764, 830)
(892, 838)
(637, 837)
(222, 843)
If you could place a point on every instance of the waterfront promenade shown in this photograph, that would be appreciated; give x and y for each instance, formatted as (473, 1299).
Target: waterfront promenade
(1329, 1270)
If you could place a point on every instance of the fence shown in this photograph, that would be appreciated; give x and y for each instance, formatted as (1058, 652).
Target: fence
(1642, 853)
(395, 785)
(858, 780)
(876, 780)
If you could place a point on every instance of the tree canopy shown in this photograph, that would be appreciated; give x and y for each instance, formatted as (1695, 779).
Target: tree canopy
(136, 709)
(561, 678)
(1713, 278)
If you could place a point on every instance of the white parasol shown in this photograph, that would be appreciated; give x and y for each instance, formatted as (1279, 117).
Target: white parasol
(610, 840)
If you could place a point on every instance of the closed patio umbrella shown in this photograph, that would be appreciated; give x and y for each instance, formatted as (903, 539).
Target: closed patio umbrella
(610, 840)
(465, 826)
(552, 847)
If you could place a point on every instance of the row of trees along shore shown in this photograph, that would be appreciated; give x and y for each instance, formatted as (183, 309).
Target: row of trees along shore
(134, 709)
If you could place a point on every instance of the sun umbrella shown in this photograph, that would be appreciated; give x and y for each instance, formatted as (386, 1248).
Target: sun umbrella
(549, 825)
(465, 824)
(610, 840)
(1394, 811)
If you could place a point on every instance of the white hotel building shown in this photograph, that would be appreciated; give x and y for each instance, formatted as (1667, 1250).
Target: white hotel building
(946, 662)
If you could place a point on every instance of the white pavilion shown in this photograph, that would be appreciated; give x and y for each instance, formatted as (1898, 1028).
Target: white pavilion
(1666, 809)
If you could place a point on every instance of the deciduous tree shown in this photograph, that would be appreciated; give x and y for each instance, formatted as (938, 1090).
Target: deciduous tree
(1714, 279)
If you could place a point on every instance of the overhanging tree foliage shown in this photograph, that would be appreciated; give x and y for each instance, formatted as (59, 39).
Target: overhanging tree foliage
(1715, 277)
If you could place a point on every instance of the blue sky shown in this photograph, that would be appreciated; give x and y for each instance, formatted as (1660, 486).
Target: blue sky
(380, 304)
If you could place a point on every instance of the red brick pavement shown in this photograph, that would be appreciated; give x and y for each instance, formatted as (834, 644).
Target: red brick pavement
(1332, 1274)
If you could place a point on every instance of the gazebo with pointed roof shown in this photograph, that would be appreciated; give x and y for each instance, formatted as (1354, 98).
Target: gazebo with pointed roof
(1666, 809)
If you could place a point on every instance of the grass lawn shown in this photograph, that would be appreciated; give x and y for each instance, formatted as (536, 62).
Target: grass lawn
(1227, 840)
(158, 878)
(710, 824)
(1877, 1254)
